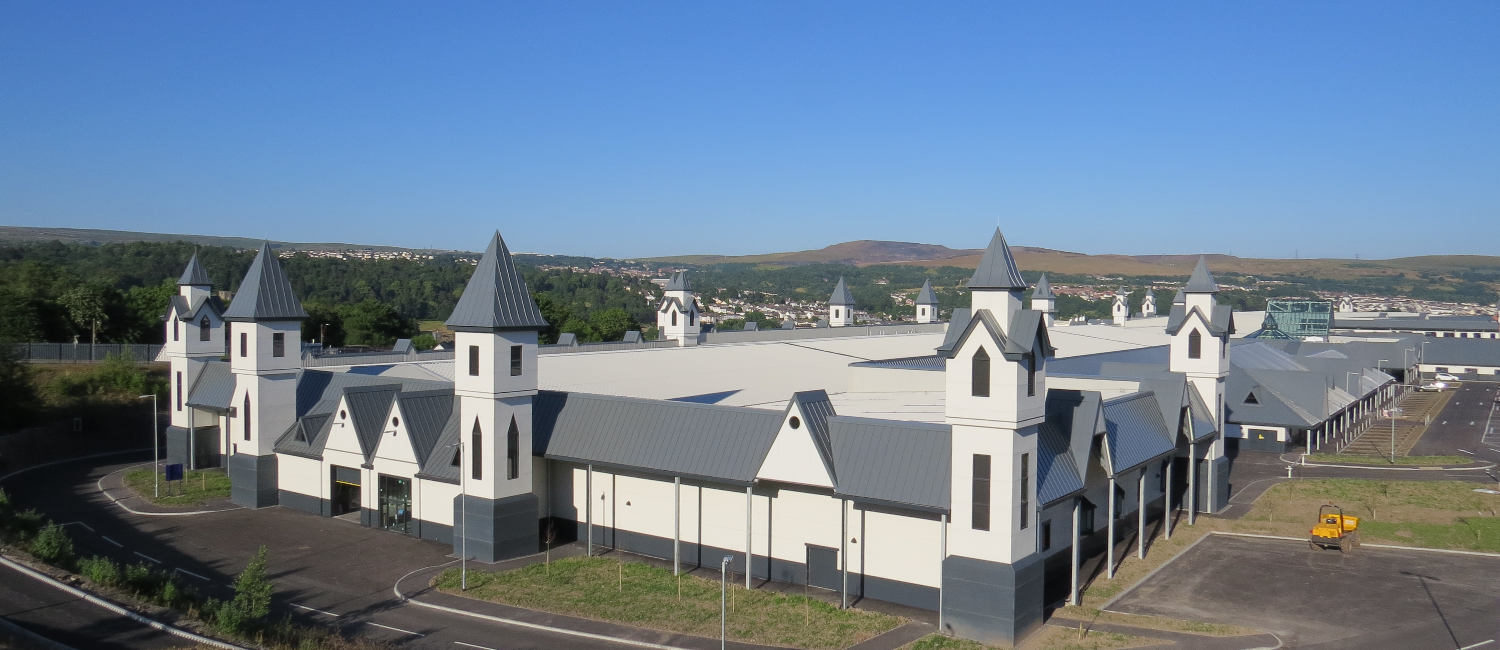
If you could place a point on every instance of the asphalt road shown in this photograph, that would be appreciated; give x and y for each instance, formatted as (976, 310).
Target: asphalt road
(1464, 425)
(1369, 599)
(67, 619)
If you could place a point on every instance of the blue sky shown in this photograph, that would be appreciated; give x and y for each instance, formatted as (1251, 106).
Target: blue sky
(631, 128)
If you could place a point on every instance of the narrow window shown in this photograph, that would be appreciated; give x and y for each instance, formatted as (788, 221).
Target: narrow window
(1025, 491)
(205, 330)
(981, 372)
(674, 316)
(981, 499)
(690, 317)
(1195, 345)
(1161, 477)
(227, 339)
(244, 344)
(1047, 535)
(515, 361)
(174, 328)
(476, 452)
(1224, 348)
(513, 451)
(278, 344)
(473, 361)
(1031, 375)
(1119, 502)
(1086, 512)
(179, 391)
(835, 313)
(246, 416)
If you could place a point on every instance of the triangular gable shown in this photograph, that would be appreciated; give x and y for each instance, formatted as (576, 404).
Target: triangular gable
(395, 442)
(794, 456)
(342, 435)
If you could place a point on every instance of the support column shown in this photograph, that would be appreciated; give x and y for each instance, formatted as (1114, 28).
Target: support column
(676, 525)
(1140, 508)
(749, 550)
(844, 554)
(1192, 483)
(942, 556)
(1077, 520)
(588, 510)
(1167, 498)
(1109, 548)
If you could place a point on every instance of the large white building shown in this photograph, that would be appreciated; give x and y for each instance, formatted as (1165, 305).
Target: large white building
(945, 467)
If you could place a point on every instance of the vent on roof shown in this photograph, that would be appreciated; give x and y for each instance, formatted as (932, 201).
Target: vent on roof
(301, 433)
(1251, 399)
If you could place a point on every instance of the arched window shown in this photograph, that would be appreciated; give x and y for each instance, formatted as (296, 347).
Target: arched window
(1031, 375)
(981, 372)
(174, 327)
(205, 329)
(674, 316)
(246, 416)
(1195, 345)
(476, 452)
(513, 451)
(690, 317)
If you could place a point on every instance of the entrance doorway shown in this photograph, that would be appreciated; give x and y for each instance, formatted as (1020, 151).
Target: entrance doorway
(395, 503)
(823, 567)
(345, 492)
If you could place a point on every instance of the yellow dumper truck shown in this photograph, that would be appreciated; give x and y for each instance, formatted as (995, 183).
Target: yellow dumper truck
(1335, 530)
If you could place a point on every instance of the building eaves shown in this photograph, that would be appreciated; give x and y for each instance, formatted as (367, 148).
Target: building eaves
(958, 324)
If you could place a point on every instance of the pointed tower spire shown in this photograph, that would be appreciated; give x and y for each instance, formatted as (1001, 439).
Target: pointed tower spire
(841, 294)
(926, 296)
(997, 268)
(265, 294)
(1202, 281)
(1043, 289)
(194, 275)
(496, 296)
(927, 304)
(679, 282)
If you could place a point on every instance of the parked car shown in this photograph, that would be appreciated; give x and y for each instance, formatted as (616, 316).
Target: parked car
(1497, 398)
(1432, 387)
(1443, 376)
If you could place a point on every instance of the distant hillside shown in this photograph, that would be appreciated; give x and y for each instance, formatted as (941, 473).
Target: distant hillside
(860, 253)
(24, 234)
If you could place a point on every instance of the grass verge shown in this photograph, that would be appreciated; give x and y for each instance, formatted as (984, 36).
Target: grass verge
(1417, 461)
(196, 488)
(1048, 638)
(642, 595)
(1430, 514)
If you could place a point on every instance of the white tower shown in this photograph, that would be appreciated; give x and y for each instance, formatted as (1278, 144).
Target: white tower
(1043, 300)
(1148, 305)
(841, 306)
(1200, 330)
(677, 317)
(995, 401)
(1121, 308)
(1346, 304)
(495, 328)
(265, 354)
(194, 335)
(927, 304)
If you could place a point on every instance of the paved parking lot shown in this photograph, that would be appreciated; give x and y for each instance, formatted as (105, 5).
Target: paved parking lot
(1368, 599)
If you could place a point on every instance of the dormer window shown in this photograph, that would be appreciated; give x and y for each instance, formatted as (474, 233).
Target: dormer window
(1195, 345)
(1251, 399)
(981, 374)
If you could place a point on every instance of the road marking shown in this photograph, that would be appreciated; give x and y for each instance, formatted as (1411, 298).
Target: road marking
(152, 559)
(79, 523)
(107, 539)
(1467, 452)
(397, 629)
(316, 610)
(1477, 644)
(186, 572)
(480, 646)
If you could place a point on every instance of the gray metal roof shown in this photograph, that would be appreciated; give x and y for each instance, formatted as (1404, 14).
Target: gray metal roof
(1076, 413)
(926, 296)
(1057, 476)
(1220, 322)
(679, 282)
(1150, 293)
(1260, 356)
(930, 362)
(178, 304)
(1201, 415)
(997, 268)
(1135, 432)
(194, 275)
(368, 406)
(425, 413)
(958, 325)
(439, 465)
(1423, 323)
(892, 462)
(816, 409)
(1043, 288)
(841, 294)
(214, 389)
(1201, 281)
(265, 294)
(1179, 298)
(1015, 347)
(496, 296)
(1458, 352)
(722, 443)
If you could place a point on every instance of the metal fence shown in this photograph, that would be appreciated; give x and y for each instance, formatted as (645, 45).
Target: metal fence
(85, 352)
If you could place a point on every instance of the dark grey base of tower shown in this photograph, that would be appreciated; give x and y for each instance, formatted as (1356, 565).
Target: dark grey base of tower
(179, 445)
(1220, 491)
(990, 602)
(496, 529)
(252, 480)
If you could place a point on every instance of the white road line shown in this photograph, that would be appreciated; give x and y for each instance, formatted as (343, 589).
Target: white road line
(107, 539)
(1477, 644)
(316, 610)
(397, 629)
(484, 648)
(186, 572)
(148, 557)
(79, 523)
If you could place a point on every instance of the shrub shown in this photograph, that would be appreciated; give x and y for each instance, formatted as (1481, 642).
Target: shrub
(52, 545)
(252, 598)
(102, 571)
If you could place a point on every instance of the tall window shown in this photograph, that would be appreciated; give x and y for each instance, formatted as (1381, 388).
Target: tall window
(513, 451)
(175, 324)
(246, 416)
(1031, 375)
(473, 361)
(835, 313)
(690, 317)
(1025, 491)
(1047, 535)
(1195, 345)
(278, 344)
(179, 391)
(981, 517)
(205, 330)
(515, 361)
(981, 372)
(227, 339)
(674, 316)
(476, 453)
(244, 344)
(1086, 512)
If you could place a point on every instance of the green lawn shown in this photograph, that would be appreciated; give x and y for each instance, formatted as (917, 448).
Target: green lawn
(198, 487)
(1424, 461)
(1435, 514)
(642, 595)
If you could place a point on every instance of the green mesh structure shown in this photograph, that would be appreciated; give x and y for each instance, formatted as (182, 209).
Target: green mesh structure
(1295, 319)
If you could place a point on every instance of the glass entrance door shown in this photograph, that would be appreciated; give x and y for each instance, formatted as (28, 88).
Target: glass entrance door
(345, 491)
(395, 503)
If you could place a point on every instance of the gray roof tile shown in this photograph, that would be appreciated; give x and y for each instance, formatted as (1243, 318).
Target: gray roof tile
(496, 296)
(1057, 476)
(214, 389)
(1135, 432)
(1043, 288)
(893, 462)
(265, 294)
(997, 268)
(926, 296)
(841, 294)
(1201, 281)
(194, 275)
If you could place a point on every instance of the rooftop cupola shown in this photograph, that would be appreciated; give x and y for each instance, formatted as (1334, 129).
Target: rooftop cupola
(1200, 288)
(496, 297)
(677, 317)
(265, 294)
(1042, 298)
(927, 304)
(997, 283)
(841, 305)
(1148, 304)
(194, 283)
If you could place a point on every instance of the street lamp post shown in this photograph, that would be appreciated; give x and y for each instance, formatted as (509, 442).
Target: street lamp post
(724, 602)
(463, 531)
(155, 449)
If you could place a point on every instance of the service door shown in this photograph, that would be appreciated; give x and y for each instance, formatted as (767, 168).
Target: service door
(823, 567)
(345, 492)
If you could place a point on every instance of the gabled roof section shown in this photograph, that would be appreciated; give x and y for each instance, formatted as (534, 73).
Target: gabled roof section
(214, 389)
(841, 294)
(1179, 298)
(672, 300)
(958, 325)
(1202, 417)
(679, 282)
(425, 414)
(1043, 289)
(194, 275)
(1201, 281)
(1076, 413)
(997, 268)
(1135, 432)
(816, 409)
(1015, 348)
(178, 304)
(892, 462)
(368, 406)
(1057, 476)
(439, 465)
(1219, 323)
(496, 296)
(265, 294)
(926, 296)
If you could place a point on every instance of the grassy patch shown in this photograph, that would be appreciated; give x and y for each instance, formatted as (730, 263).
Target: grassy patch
(1420, 461)
(1433, 514)
(1048, 638)
(646, 596)
(197, 487)
(1467, 533)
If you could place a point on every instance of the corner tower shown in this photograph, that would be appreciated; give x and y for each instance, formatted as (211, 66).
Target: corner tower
(677, 317)
(265, 353)
(1148, 304)
(1120, 311)
(194, 334)
(1200, 329)
(927, 304)
(841, 306)
(495, 328)
(1043, 300)
(995, 401)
